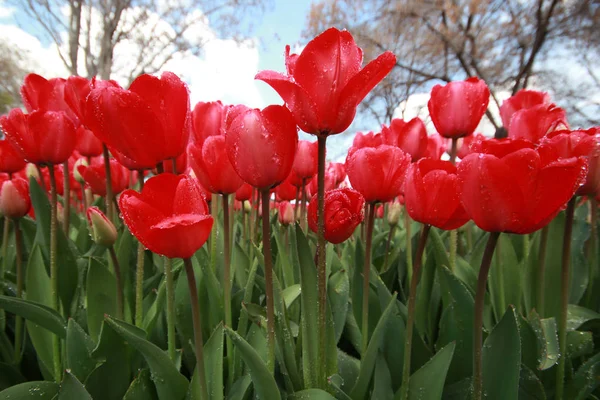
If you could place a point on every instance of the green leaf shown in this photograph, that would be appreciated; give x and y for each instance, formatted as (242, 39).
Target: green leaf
(141, 388)
(311, 394)
(101, 295)
(213, 361)
(338, 289)
(264, 382)
(382, 381)
(545, 330)
(530, 387)
(308, 322)
(421, 384)
(502, 359)
(367, 366)
(79, 348)
(170, 384)
(37, 313)
(577, 316)
(9, 376)
(585, 380)
(505, 277)
(290, 294)
(42, 390)
(72, 389)
(579, 344)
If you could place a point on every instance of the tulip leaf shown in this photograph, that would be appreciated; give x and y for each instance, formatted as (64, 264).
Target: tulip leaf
(585, 380)
(547, 340)
(264, 382)
(502, 359)
(579, 344)
(9, 375)
(42, 390)
(311, 394)
(72, 389)
(290, 294)
(530, 386)
(79, 349)
(338, 288)
(38, 314)
(382, 380)
(213, 365)
(101, 295)
(141, 388)
(170, 384)
(505, 277)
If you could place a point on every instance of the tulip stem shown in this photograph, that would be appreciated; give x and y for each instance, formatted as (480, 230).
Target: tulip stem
(565, 281)
(387, 248)
(198, 343)
(593, 250)
(66, 198)
(227, 283)
(453, 247)
(366, 273)
(139, 276)
(469, 229)
(412, 297)
(303, 220)
(321, 260)
(214, 211)
(171, 335)
(266, 239)
(407, 229)
(116, 265)
(484, 269)
(109, 192)
(453, 151)
(5, 234)
(19, 272)
(54, 270)
(541, 271)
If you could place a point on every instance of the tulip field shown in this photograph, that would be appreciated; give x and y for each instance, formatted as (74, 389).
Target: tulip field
(155, 249)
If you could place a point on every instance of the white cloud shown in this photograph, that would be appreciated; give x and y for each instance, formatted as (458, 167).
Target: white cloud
(5, 11)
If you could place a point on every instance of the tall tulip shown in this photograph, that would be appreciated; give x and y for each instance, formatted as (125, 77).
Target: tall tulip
(409, 136)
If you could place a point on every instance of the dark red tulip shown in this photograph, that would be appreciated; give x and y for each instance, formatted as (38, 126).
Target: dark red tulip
(42, 137)
(146, 124)
(432, 194)
(261, 145)
(208, 119)
(521, 100)
(307, 155)
(14, 198)
(377, 172)
(11, 159)
(580, 143)
(285, 191)
(212, 166)
(410, 136)
(94, 176)
(344, 211)
(457, 108)
(517, 192)
(325, 83)
(88, 145)
(536, 122)
(369, 139)
(244, 193)
(170, 216)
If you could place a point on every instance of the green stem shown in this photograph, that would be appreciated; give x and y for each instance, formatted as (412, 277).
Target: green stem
(453, 151)
(171, 335)
(227, 283)
(214, 211)
(593, 251)
(484, 269)
(366, 274)
(54, 270)
(139, 277)
(19, 271)
(412, 298)
(321, 260)
(66, 198)
(109, 192)
(266, 239)
(541, 271)
(453, 246)
(4, 266)
(303, 208)
(198, 343)
(565, 281)
(116, 265)
(469, 228)
(409, 261)
(387, 248)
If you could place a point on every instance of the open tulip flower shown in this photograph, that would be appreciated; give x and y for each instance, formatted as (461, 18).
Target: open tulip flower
(536, 122)
(523, 99)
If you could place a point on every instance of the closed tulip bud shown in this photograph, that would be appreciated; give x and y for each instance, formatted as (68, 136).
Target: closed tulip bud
(76, 174)
(103, 231)
(14, 198)
(286, 213)
(394, 211)
(32, 171)
(344, 210)
(247, 207)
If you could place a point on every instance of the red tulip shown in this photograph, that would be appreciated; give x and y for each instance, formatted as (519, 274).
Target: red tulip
(181, 164)
(88, 145)
(432, 194)
(38, 93)
(325, 83)
(146, 124)
(94, 176)
(306, 161)
(344, 210)
(312, 187)
(14, 198)
(469, 144)
(410, 136)
(11, 160)
(567, 144)
(212, 166)
(77, 90)
(285, 213)
(379, 211)
(517, 192)
(457, 108)
(377, 173)
(369, 139)
(285, 191)
(436, 147)
(261, 145)
(536, 122)
(244, 192)
(337, 170)
(43, 137)
(208, 119)
(521, 100)
(170, 216)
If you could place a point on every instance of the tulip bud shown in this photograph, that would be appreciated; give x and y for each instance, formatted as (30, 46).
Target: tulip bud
(286, 213)
(344, 210)
(14, 198)
(247, 207)
(394, 211)
(102, 229)
(76, 173)
(31, 170)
